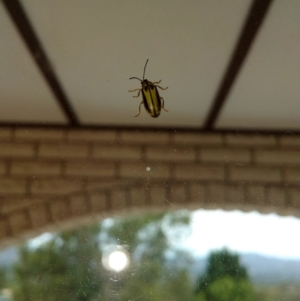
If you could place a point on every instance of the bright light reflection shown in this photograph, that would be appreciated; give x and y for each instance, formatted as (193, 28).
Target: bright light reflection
(115, 258)
(117, 261)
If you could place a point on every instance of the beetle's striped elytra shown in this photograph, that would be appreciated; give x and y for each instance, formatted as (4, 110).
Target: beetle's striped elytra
(152, 101)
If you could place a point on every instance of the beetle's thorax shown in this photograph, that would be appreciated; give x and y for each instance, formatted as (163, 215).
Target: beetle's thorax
(145, 83)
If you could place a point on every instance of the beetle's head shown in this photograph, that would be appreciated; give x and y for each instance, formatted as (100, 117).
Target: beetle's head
(145, 83)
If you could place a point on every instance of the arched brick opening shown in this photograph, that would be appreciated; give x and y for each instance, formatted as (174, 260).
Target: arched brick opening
(52, 178)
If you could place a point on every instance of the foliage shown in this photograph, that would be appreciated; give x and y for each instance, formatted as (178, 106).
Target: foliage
(150, 282)
(221, 264)
(228, 288)
(3, 278)
(68, 267)
(151, 276)
(65, 268)
(147, 237)
(224, 279)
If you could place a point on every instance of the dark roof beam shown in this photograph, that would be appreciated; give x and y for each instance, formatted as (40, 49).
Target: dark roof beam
(30, 38)
(253, 22)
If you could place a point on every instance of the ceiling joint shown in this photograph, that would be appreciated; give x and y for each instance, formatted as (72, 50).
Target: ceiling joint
(256, 15)
(29, 36)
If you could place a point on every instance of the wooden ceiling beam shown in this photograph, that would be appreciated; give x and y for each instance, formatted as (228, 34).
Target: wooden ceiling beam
(27, 32)
(253, 22)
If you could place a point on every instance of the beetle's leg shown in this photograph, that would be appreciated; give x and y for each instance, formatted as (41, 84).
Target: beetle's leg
(162, 87)
(157, 82)
(137, 94)
(134, 90)
(163, 104)
(139, 110)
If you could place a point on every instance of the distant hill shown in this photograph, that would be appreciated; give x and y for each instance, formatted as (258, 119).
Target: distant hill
(268, 270)
(261, 269)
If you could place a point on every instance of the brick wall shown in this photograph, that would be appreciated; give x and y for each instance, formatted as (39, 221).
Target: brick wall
(53, 178)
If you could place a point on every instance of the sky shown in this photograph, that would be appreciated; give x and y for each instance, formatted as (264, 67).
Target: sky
(265, 234)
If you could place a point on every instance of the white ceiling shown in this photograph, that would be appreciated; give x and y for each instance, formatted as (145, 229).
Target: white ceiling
(95, 46)
(267, 92)
(24, 95)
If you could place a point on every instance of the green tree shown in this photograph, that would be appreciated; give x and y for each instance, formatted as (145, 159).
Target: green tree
(147, 237)
(68, 267)
(224, 279)
(221, 264)
(3, 278)
(228, 288)
(151, 276)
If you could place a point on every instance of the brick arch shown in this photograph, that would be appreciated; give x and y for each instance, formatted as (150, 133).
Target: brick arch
(52, 179)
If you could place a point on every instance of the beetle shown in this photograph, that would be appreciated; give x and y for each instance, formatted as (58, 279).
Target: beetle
(153, 103)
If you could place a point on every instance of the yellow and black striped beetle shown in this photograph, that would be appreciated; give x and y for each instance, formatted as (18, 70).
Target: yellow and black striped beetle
(153, 103)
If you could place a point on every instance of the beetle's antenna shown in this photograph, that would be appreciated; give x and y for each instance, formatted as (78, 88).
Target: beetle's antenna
(145, 69)
(136, 78)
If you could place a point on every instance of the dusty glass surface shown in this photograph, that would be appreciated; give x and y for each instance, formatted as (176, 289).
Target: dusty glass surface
(199, 203)
(182, 255)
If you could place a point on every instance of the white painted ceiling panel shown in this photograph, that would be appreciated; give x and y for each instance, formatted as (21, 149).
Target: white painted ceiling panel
(95, 46)
(24, 95)
(267, 92)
